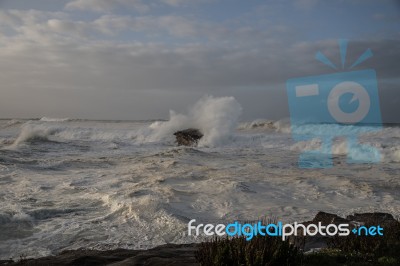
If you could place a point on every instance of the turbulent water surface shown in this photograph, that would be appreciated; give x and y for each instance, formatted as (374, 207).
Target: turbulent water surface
(67, 184)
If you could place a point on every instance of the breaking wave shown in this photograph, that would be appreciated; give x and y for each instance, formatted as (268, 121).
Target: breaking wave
(216, 118)
(34, 131)
(282, 125)
(50, 119)
(11, 123)
(257, 124)
(30, 133)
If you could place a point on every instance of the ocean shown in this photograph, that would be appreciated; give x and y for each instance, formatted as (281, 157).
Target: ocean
(70, 183)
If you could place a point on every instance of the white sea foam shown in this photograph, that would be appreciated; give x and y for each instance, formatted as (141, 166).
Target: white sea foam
(396, 156)
(217, 119)
(42, 131)
(53, 119)
(282, 125)
(103, 185)
(257, 124)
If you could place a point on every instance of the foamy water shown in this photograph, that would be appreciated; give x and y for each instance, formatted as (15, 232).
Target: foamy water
(68, 183)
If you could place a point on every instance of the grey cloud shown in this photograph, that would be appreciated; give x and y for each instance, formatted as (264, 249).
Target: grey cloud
(140, 69)
(177, 3)
(106, 5)
(66, 72)
(142, 6)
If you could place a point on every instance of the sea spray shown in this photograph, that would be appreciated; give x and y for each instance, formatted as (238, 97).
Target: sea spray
(31, 132)
(215, 117)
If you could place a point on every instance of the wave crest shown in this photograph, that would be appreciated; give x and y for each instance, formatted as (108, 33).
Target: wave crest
(51, 119)
(215, 117)
(30, 133)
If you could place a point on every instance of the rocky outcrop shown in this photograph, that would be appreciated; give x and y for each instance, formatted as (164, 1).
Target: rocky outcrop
(188, 137)
(328, 218)
(383, 219)
(167, 255)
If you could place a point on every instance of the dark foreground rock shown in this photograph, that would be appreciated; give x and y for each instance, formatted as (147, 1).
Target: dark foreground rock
(328, 218)
(357, 219)
(166, 255)
(188, 137)
(383, 219)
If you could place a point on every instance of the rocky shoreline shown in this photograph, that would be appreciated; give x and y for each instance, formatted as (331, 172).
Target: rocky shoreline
(170, 254)
(184, 254)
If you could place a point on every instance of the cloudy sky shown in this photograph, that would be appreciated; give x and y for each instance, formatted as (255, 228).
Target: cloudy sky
(136, 59)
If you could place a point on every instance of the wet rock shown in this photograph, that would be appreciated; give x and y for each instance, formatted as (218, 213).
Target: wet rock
(318, 241)
(328, 218)
(376, 218)
(170, 254)
(188, 137)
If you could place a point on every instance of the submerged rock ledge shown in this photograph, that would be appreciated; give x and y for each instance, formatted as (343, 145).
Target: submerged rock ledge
(184, 254)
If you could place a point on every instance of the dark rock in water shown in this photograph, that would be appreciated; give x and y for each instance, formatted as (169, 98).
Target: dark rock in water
(328, 218)
(320, 241)
(188, 137)
(383, 219)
